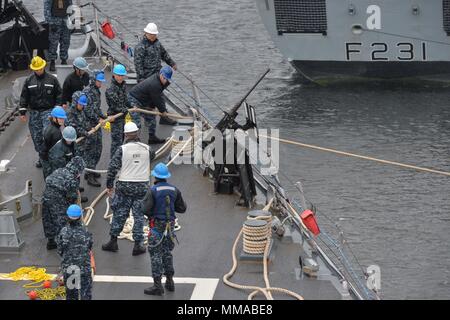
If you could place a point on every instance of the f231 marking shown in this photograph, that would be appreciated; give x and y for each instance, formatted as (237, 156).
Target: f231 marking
(404, 51)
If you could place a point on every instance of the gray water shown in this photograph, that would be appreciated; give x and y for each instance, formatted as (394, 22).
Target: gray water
(396, 218)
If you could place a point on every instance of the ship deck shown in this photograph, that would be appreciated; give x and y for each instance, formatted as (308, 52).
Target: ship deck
(203, 256)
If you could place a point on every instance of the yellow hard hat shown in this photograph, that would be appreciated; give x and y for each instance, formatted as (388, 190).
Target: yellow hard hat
(37, 63)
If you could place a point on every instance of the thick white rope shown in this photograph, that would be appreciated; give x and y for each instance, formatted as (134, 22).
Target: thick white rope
(348, 154)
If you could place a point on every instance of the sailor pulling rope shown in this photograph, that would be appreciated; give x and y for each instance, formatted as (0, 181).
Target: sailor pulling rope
(134, 109)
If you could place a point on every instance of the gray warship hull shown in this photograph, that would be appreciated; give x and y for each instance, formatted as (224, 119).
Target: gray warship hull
(365, 38)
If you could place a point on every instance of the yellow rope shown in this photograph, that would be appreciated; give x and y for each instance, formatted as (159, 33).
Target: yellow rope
(51, 293)
(37, 276)
(299, 144)
(107, 126)
(29, 273)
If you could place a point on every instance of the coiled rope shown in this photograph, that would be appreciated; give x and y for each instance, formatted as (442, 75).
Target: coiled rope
(255, 290)
(256, 234)
(37, 276)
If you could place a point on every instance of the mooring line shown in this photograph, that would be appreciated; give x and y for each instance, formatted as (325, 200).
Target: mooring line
(299, 144)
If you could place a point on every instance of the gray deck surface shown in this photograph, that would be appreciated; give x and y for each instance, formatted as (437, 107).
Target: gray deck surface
(209, 228)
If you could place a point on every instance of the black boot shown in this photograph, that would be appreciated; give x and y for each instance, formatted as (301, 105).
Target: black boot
(111, 245)
(157, 289)
(64, 61)
(169, 285)
(92, 181)
(52, 65)
(138, 249)
(155, 140)
(81, 189)
(38, 164)
(51, 244)
(84, 199)
(167, 120)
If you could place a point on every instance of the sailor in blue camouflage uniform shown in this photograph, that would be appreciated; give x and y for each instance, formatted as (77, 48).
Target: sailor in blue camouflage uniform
(76, 118)
(40, 93)
(52, 134)
(148, 54)
(94, 115)
(74, 246)
(55, 13)
(148, 95)
(116, 98)
(61, 190)
(64, 150)
(159, 205)
(132, 162)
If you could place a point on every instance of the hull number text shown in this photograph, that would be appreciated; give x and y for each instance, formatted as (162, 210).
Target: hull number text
(380, 51)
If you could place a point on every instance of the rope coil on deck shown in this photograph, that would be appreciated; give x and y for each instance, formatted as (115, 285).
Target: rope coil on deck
(256, 234)
(183, 147)
(255, 290)
(38, 276)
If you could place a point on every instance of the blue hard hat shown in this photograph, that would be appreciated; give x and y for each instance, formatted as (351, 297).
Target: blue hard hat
(100, 76)
(69, 134)
(161, 171)
(58, 112)
(80, 63)
(83, 100)
(74, 211)
(166, 71)
(120, 70)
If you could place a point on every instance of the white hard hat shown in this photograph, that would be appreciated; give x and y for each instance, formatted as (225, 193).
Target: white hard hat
(151, 28)
(130, 127)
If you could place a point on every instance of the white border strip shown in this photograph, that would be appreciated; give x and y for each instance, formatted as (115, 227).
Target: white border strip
(204, 287)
